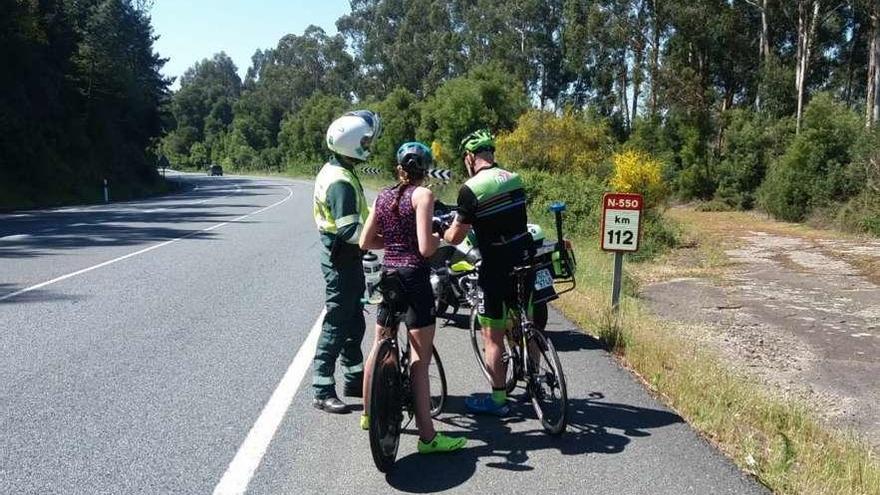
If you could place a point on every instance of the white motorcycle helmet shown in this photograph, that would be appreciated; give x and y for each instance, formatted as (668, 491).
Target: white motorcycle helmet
(352, 134)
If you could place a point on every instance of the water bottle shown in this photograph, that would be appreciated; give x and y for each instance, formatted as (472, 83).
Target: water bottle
(372, 272)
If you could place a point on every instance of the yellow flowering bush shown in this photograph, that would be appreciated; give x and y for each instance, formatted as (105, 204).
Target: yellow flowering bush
(556, 143)
(638, 172)
(438, 153)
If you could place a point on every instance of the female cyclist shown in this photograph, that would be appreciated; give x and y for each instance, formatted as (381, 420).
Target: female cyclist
(401, 223)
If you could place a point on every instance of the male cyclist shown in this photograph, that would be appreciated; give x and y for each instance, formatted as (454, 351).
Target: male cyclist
(340, 211)
(493, 203)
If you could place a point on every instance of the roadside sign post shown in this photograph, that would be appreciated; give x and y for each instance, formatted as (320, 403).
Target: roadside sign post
(106, 192)
(621, 230)
(163, 162)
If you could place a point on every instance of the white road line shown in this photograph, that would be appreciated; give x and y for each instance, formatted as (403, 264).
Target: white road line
(240, 471)
(142, 251)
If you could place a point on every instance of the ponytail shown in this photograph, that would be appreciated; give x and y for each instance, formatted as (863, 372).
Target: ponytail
(401, 188)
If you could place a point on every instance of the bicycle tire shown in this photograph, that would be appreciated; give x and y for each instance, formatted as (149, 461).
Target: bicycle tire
(547, 385)
(436, 372)
(476, 344)
(386, 406)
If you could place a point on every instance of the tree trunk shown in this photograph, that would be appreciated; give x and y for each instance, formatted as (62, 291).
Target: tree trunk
(807, 26)
(624, 101)
(851, 66)
(655, 58)
(872, 102)
(763, 47)
(638, 47)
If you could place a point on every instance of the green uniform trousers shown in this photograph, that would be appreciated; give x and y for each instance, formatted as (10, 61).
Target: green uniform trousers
(343, 328)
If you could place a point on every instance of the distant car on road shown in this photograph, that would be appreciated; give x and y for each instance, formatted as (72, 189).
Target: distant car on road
(215, 170)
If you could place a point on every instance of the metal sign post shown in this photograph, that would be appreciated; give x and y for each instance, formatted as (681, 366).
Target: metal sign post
(621, 229)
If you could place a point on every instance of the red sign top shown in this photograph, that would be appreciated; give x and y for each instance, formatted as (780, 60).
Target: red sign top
(622, 201)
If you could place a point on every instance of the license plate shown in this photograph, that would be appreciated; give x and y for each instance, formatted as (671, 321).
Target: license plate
(543, 279)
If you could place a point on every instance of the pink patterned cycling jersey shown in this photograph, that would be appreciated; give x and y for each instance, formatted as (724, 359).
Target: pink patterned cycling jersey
(396, 222)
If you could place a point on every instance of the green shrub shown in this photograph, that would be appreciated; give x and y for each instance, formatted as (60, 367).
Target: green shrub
(815, 169)
(751, 142)
(582, 195)
(302, 135)
(400, 120)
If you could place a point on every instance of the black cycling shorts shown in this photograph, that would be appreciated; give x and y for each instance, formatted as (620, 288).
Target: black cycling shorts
(416, 304)
(498, 285)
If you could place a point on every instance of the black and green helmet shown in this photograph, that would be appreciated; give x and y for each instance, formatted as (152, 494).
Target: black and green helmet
(480, 140)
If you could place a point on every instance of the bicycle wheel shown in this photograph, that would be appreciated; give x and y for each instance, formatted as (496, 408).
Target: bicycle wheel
(546, 384)
(437, 382)
(386, 406)
(511, 353)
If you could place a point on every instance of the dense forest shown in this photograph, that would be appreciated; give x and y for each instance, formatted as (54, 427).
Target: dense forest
(738, 103)
(80, 100)
(745, 103)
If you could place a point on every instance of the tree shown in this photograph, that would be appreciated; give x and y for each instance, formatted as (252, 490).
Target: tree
(202, 107)
(487, 97)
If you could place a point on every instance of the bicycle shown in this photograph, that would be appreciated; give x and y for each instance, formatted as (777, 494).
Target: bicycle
(391, 392)
(529, 356)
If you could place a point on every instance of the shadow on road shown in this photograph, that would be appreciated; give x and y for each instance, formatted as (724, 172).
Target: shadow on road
(39, 233)
(34, 296)
(595, 427)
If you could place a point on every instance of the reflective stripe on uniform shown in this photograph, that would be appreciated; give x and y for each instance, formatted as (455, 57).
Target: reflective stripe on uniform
(347, 220)
(358, 368)
(323, 380)
(356, 236)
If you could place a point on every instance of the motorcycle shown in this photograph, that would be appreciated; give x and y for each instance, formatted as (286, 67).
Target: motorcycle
(455, 268)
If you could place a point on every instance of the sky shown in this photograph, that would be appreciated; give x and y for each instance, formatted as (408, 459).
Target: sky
(191, 30)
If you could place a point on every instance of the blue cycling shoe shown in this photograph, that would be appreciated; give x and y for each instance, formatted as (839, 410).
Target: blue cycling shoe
(483, 404)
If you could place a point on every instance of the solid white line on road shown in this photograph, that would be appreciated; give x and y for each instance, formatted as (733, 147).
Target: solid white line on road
(142, 251)
(240, 471)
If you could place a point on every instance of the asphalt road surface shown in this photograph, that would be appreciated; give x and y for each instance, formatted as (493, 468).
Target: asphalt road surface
(163, 346)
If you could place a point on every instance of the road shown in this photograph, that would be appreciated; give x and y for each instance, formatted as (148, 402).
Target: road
(162, 346)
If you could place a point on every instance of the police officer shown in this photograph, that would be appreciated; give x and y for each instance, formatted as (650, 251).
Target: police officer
(340, 212)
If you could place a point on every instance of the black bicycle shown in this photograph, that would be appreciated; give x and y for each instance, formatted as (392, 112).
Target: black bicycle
(529, 356)
(391, 395)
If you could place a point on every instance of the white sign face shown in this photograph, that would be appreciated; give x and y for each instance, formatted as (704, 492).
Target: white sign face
(621, 216)
(621, 230)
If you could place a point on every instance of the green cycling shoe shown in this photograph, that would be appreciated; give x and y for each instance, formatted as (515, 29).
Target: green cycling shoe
(365, 422)
(440, 444)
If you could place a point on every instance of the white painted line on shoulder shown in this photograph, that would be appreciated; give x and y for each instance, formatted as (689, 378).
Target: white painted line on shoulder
(243, 466)
(142, 251)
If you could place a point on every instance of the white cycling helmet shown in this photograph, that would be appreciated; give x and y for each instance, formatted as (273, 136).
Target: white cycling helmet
(352, 134)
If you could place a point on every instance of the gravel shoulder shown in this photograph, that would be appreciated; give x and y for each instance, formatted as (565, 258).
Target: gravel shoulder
(796, 308)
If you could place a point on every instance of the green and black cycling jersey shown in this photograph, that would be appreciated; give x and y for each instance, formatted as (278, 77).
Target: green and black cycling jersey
(493, 202)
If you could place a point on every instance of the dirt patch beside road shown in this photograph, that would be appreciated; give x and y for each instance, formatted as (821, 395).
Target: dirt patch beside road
(796, 308)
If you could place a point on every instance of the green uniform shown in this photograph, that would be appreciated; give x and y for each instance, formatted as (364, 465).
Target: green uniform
(340, 211)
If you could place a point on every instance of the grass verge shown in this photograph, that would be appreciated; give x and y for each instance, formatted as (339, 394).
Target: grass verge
(778, 441)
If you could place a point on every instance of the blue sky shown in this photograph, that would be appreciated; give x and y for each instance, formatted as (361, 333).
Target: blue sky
(191, 30)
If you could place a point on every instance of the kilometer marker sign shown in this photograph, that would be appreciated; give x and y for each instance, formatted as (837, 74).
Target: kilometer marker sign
(621, 221)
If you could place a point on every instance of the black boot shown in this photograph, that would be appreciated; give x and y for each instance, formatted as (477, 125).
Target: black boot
(330, 404)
